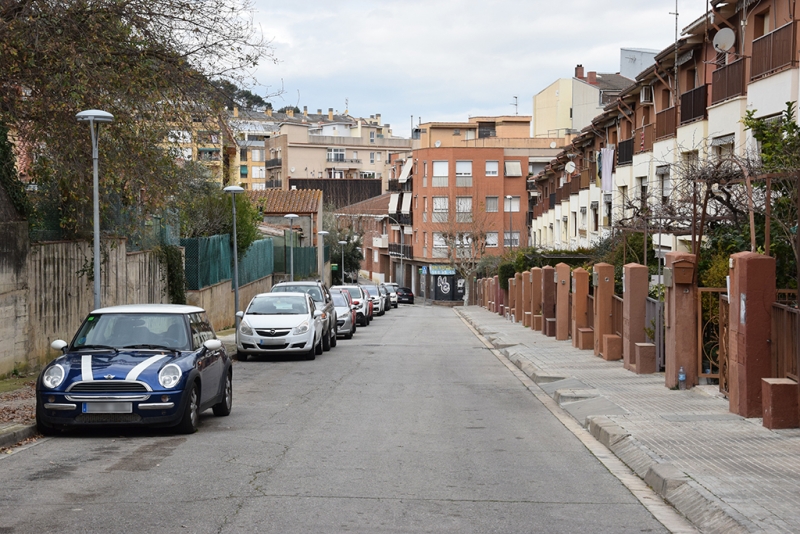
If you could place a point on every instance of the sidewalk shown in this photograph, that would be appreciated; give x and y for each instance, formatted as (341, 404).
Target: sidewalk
(723, 472)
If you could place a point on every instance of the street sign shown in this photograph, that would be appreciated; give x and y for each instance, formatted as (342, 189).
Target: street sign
(334, 267)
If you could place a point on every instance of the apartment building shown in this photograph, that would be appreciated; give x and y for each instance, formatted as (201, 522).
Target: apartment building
(459, 175)
(628, 168)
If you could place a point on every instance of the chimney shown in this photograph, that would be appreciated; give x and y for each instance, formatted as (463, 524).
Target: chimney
(305, 111)
(235, 111)
(330, 114)
(290, 112)
(319, 111)
(269, 112)
(579, 72)
(378, 117)
(592, 77)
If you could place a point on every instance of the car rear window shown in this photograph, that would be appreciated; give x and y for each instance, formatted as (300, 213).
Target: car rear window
(339, 300)
(372, 290)
(314, 291)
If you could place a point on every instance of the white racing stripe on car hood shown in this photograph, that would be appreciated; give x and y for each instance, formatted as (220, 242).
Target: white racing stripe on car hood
(86, 368)
(136, 371)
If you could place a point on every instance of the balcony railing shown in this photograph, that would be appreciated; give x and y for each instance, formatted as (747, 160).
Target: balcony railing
(693, 104)
(401, 251)
(401, 218)
(773, 51)
(273, 184)
(575, 185)
(625, 152)
(275, 162)
(728, 81)
(463, 181)
(643, 138)
(667, 123)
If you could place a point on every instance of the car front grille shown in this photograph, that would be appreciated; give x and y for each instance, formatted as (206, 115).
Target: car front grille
(108, 418)
(274, 347)
(108, 386)
(273, 332)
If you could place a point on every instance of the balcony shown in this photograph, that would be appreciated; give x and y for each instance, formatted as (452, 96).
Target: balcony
(401, 218)
(574, 185)
(401, 251)
(463, 181)
(334, 159)
(728, 81)
(644, 138)
(666, 123)
(693, 104)
(380, 242)
(773, 51)
(625, 152)
(272, 163)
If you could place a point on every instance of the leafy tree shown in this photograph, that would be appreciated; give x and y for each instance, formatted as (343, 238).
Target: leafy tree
(231, 95)
(148, 62)
(286, 109)
(349, 254)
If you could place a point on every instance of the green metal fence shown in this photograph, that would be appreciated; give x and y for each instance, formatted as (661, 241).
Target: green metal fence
(257, 262)
(208, 260)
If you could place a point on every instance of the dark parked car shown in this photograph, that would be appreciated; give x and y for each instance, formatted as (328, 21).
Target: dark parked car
(143, 364)
(404, 294)
(322, 298)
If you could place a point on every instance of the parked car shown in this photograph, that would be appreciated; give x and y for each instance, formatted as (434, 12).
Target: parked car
(391, 287)
(322, 298)
(143, 364)
(387, 298)
(378, 300)
(280, 323)
(345, 313)
(404, 294)
(360, 299)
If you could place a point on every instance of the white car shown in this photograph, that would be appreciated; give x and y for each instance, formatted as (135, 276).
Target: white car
(280, 323)
(391, 287)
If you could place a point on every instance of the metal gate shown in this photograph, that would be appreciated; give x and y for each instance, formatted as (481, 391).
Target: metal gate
(654, 328)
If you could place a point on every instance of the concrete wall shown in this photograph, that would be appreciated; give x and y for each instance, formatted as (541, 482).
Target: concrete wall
(219, 300)
(13, 296)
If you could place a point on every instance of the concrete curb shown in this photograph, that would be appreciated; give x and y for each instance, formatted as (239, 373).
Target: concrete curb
(13, 434)
(701, 508)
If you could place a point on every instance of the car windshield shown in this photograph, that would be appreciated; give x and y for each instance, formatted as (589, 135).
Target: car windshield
(314, 291)
(354, 292)
(278, 305)
(372, 290)
(142, 330)
(339, 300)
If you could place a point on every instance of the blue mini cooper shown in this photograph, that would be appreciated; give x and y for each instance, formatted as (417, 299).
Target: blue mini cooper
(143, 364)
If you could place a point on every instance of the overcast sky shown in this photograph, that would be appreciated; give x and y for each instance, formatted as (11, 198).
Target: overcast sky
(447, 60)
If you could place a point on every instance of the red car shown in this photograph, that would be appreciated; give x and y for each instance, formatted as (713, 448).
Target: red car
(360, 299)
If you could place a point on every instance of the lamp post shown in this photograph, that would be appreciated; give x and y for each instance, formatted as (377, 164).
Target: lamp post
(233, 189)
(343, 243)
(321, 252)
(291, 217)
(94, 117)
(510, 226)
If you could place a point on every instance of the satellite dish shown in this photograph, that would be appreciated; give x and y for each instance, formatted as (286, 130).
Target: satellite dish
(552, 144)
(292, 169)
(724, 40)
(437, 144)
(570, 167)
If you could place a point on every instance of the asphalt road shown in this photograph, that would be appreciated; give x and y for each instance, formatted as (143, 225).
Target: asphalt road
(411, 426)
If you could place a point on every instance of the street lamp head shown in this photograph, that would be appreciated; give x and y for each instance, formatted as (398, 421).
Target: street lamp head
(509, 197)
(291, 216)
(323, 232)
(342, 242)
(94, 115)
(233, 189)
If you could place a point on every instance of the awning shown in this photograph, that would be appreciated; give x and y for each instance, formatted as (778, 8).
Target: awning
(513, 168)
(406, 171)
(406, 209)
(393, 200)
(723, 140)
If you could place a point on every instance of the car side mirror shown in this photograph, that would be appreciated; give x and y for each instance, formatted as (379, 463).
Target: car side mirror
(240, 314)
(212, 344)
(318, 313)
(59, 344)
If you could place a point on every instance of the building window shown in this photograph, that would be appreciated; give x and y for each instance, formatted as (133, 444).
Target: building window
(355, 154)
(511, 239)
(491, 239)
(438, 240)
(463, 209)
(513, 168)
(378, 157)
(257, 154)
(243, 154)
(372, 157)
(492, 168)
(440, 173)
(243, 171)
(372, 137)
(491, 204)
(335, 154)
(463, 168)
(440, 209)
(259, 172)
(511, 204)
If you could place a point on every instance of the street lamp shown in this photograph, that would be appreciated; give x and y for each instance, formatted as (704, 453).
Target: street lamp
(233, 189)
(343, 243)
(94, 117)
(291, 217)
(402, 246)
(510, 226)
(321, 251)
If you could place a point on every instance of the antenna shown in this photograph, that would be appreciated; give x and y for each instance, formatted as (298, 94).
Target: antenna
(516, 107)
(724, 40)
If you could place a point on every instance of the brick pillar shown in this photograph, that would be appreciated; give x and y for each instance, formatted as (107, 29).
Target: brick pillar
(580, 293)
(603, 295)
(634, 302)
(681, 325)
(512, 294)
(518, 306)
(527, 320)
(536, 297)
(752, 293)
(548, 293)
(499, 295)
(562, 301)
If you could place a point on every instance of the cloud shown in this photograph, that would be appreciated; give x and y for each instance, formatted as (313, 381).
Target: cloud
(447, 59)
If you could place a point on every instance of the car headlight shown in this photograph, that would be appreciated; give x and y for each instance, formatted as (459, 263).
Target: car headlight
(245, 329)
(54, 376)
(169, 376)
(302, 328)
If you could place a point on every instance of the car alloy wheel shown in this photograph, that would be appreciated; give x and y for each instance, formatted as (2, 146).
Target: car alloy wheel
(191, 415)
(224, 406)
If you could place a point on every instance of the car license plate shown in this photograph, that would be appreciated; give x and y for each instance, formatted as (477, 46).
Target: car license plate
(107, 407)
(271, 341)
